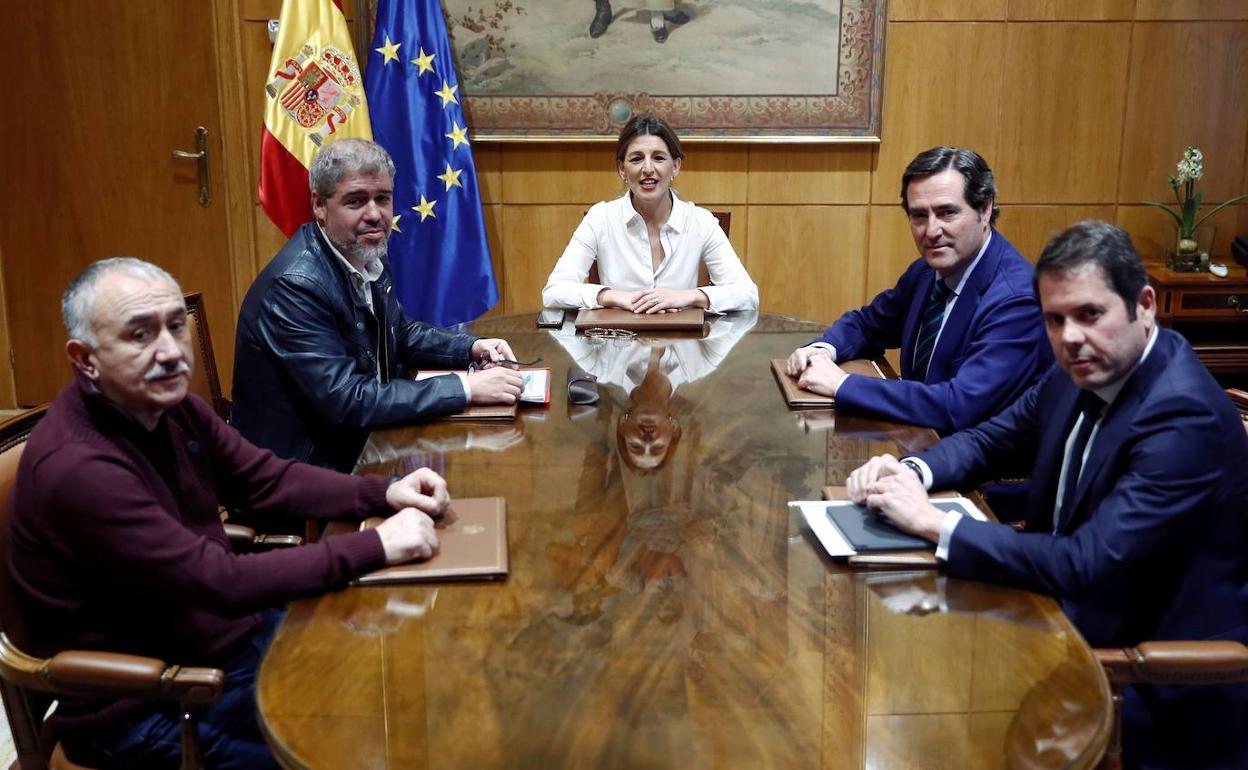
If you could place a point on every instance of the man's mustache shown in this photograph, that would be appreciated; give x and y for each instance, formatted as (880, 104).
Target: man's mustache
(159, 370)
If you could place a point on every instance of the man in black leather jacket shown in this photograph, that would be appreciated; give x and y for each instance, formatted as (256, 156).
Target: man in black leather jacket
(323, 344)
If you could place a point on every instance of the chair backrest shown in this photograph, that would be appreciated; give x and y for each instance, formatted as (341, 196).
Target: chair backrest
(25, 708)
(205, 380)
(704, 276)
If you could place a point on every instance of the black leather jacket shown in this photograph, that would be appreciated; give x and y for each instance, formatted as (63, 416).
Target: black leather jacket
(305, 368)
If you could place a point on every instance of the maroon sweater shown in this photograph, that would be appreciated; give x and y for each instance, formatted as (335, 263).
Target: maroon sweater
(117, 543)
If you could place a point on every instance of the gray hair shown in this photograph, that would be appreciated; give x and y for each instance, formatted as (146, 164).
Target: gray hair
(358, 157)
(78, 302)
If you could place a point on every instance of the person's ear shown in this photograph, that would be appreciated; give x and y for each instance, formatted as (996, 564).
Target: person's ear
(82, 356)
(320, 208)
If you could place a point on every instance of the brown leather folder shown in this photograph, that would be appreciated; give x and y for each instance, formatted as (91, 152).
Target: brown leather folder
(472, 545)
(689, 320)
(795, 396)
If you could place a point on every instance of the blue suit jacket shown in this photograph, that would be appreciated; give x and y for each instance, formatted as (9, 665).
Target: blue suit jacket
(1156, 546)
(992, 348)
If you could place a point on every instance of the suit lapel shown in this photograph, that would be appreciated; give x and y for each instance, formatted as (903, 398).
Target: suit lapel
(923, 290)
(1117, 425)
(1063, 405)
(947, 347)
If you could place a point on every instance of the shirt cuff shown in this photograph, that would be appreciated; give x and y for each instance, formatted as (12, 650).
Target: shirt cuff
(830, 348)
(925, 471)
(589, 295)
(463, 380)
(947, 526)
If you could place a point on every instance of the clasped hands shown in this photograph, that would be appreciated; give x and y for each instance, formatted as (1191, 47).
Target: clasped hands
(895, 492)
(417, 499)
(656, 300)
(815, 371)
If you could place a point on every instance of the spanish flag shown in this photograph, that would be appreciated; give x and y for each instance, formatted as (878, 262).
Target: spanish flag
(314, 94)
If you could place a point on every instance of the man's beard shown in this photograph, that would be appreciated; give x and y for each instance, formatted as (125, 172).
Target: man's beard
(368, 256)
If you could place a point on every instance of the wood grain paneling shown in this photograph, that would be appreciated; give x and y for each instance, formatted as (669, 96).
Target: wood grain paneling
(1071, 10)
(898, 683)
(1030, 228)
(1153, 231)
(1064, 104)
(534, 237)
(942, 86)
(489, 161)
(808, 260)
(713, 173)
(964, 10)
(1190, 9)
(952, 740)
(582, 174)
(1186, 88)
(808, 174)
(891, 248)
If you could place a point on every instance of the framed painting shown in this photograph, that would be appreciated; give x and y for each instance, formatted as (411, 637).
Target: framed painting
(748, 70)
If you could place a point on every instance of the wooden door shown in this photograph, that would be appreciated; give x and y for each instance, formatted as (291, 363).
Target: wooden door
(98, 96)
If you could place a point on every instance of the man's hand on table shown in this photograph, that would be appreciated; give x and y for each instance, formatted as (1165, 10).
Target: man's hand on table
(491, 352)
(496, 385)
(800, 359)
(895, 492)
(822, 376)
(409, 533)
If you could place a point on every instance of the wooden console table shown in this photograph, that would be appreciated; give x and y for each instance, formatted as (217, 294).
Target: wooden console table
(1211, 312)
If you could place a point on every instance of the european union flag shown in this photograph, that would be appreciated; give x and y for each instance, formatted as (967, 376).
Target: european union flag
(438, 248)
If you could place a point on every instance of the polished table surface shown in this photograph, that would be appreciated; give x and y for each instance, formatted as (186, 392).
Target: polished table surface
(665, 608)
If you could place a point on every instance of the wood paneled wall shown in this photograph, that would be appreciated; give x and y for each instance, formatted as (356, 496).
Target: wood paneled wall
(1082, 107)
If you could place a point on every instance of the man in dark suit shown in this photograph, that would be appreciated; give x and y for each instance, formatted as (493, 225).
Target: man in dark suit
(1137, 518)
(964, 313)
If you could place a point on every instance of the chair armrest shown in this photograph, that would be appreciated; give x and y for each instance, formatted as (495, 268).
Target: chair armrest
(245, 538)
(1180, 662)
(109, 675)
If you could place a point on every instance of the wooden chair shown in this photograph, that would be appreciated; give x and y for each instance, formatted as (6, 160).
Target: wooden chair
(1171, 662)
(205, 380)
(704, 276)
(29, 685)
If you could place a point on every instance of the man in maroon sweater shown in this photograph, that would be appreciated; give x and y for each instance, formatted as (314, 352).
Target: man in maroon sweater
(116, 540)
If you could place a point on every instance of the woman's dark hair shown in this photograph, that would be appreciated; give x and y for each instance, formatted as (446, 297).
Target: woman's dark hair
(647, 125)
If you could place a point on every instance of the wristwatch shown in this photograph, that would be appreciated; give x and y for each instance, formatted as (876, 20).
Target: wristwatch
(912, 465)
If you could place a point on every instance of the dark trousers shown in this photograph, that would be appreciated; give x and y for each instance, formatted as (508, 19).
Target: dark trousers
(229, 730)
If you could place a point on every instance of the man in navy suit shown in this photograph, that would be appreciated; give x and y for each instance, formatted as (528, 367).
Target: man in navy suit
(969, 345)
(1137, 518)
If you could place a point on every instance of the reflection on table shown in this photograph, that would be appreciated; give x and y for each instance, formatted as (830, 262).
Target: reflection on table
(672, 612)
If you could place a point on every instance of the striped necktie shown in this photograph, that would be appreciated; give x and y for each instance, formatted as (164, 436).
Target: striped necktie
(929, 330)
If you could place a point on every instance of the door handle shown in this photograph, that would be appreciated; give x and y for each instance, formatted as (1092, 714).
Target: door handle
(200, 156)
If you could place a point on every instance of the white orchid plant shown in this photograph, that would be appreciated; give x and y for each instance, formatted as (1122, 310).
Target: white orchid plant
(1190, 169)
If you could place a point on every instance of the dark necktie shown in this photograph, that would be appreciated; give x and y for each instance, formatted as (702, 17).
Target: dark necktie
(933, 314)
(1090, 405)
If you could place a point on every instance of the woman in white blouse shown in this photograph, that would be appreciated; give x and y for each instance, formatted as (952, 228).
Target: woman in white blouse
(649, 243)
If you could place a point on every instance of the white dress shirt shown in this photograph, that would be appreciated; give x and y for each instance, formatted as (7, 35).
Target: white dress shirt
(615, 235)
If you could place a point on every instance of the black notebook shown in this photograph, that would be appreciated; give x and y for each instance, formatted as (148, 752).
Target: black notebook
(866, 531)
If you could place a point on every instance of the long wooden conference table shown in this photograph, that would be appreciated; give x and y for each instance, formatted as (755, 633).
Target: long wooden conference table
(665, 608)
